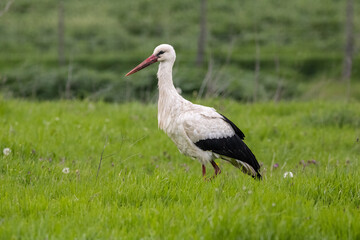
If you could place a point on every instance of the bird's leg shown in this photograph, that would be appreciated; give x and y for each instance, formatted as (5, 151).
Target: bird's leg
(203, 170)
(216, 167)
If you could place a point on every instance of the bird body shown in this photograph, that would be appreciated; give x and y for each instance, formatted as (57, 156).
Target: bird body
(198, 131)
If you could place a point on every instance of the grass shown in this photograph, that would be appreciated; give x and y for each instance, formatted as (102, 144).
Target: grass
(300, 45)
(147, 190)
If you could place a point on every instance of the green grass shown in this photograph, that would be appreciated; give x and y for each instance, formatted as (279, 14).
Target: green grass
(301, 44)
(146, 189)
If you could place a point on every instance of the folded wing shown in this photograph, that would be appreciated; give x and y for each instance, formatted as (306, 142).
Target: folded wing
(211, 131)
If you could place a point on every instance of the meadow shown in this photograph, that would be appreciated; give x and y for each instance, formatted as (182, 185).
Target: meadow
(298, 44)
(94, 170)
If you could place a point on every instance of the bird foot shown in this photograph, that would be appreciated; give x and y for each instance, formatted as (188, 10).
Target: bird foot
(216, 168)
(209, 179)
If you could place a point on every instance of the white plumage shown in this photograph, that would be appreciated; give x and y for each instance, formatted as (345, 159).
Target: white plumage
(198, 131)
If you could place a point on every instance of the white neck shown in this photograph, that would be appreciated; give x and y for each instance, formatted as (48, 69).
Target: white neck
(169, 98)
(165, 82)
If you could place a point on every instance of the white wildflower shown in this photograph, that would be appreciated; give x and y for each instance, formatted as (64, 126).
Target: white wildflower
(288, 174)
(66, 170)
(7, 151)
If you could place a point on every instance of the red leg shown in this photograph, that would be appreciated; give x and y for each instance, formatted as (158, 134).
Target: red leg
(216, 167)
(203, 170)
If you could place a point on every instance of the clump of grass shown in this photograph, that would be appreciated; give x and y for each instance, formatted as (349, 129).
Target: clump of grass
(338, 118)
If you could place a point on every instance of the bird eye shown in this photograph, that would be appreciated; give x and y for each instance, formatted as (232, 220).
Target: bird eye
(161, 52)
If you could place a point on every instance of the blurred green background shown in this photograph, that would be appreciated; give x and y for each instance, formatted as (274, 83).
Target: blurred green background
(254, 50)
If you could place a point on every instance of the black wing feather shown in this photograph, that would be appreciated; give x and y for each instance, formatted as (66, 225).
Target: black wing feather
(236, 129)
(232, 147)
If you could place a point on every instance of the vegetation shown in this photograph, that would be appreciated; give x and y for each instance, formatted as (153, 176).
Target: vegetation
(146, 189)
(91, 169)
(300, 47)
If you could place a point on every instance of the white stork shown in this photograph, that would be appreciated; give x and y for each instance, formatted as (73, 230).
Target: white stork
(198, 131)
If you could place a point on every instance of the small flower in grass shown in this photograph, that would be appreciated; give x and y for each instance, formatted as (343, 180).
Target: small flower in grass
(7, 151)
(276, 165)
(66, 170)
(288, 174)
(313, 161)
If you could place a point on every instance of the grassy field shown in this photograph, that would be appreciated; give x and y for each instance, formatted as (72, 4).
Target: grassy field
(145, 189)
(300, 46)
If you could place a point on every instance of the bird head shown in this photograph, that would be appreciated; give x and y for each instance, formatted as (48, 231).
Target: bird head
(162, 53)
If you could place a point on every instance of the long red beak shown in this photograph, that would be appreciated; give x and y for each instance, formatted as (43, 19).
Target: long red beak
(150, 60)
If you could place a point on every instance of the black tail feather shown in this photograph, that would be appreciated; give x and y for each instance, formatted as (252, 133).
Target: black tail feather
(258, 176)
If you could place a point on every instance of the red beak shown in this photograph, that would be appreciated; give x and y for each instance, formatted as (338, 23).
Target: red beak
(150, 60)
